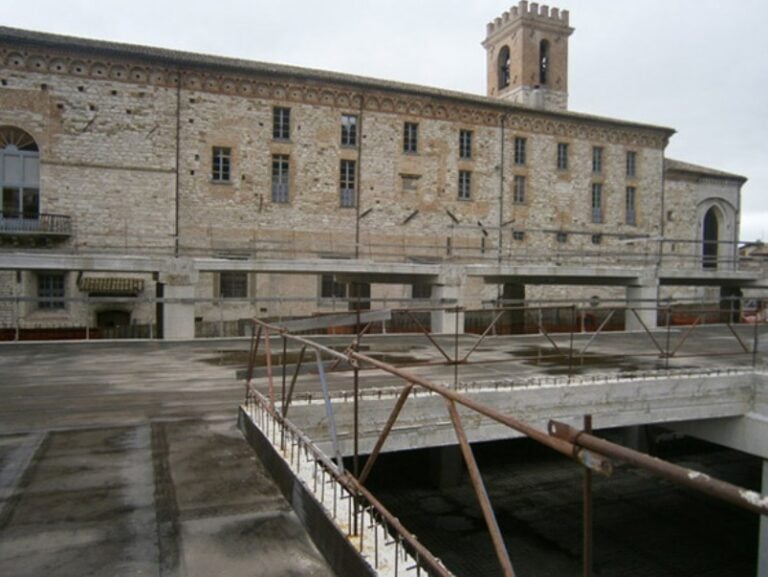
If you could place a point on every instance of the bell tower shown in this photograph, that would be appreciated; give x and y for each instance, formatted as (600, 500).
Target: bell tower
(527, 50)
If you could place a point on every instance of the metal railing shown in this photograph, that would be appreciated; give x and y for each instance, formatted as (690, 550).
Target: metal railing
(23, 223)
(374, 532)
(581, 446)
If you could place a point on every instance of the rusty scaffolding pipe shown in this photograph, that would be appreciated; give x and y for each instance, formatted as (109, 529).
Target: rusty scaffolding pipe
(587, 458)
(702, 482)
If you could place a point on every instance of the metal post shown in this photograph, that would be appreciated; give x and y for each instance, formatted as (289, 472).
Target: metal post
(587, 520)
(480, 492)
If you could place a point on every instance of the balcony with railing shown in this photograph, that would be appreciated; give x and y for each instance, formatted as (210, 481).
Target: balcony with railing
(18, 226)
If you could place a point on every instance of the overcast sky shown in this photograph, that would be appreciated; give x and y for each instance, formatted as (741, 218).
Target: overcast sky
(698, 66)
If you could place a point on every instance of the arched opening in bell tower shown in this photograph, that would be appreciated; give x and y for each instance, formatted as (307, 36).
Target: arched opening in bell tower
(503, 67)
(543, 62)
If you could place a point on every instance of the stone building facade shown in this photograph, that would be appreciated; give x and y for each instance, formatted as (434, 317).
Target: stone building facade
(140, 152)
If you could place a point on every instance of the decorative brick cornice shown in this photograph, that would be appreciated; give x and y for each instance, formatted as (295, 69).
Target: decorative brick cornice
(286, 84)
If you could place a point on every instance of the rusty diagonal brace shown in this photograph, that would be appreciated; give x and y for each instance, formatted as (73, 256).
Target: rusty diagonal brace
(355, 345)
(289, 398)
(744, 498)
(255, 340)
(648, 332)
(429, 336)
(482, 494)
(482, 336)
(681, 341)
(744, 347)
(544, 332)
(587, 458)
(268, 358)
(597, 332)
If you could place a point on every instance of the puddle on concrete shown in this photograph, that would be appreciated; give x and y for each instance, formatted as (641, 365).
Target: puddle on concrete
(550, 361)
(241, 358)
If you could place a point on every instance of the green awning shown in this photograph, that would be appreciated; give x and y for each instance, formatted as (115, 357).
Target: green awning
(121, 286)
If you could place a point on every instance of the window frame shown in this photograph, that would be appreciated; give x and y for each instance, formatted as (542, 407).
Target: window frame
(331, 289)
(347, 183)
(597, 159)
(233, 285)
(281, 123)
(631, 164)
(465, 185)
(349, 130)
(562, 156)
(281, 178)
(465, 144)
(520, 147)
(411, 137)
(630, 206)
(221, 164)
(51, 298)
(597, 202)
(519, 186)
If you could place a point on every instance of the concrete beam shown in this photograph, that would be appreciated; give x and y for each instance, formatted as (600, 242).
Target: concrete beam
(424, 421)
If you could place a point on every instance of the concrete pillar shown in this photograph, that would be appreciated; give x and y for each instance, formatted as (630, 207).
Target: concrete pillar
(179, 280)
(643, 299)
(513, 295)
(762, 544)
(446, 466)
(449, 292)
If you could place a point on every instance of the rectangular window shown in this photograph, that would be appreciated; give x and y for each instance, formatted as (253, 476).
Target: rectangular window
(518, 235)
(465, 185)
(222, 164)
(631, 164)
(281, 123)
(280, 166)
(562, 156)
(520, 151)
(597, 202)
(421, 291)
(330, 289)
(597, 239)
(597, 159)
(347, 188)
(519, 191)
(562, 237)
(233, 285)
(411, 137)
(50, 288)
(631, 217)
(465, 144)
(348, 130)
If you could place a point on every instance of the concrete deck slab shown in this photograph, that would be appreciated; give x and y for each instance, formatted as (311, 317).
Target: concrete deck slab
(125, 460)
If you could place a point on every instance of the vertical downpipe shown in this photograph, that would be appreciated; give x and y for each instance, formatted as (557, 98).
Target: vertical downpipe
(178, 164)
(358, 170)
(501, 190)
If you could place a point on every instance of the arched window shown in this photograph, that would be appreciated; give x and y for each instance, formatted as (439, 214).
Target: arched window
(19, 174)
(504, 63)
(710, 238)
(543, 62)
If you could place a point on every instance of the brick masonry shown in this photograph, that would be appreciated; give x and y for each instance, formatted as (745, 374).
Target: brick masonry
(126, 137)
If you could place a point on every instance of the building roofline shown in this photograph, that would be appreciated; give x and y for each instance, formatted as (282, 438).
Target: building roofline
(177, 58)
(672, 165)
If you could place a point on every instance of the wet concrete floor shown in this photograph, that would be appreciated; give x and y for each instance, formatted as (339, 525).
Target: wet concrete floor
(125, 460)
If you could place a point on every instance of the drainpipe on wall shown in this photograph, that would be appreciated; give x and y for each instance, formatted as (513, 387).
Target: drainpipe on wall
(501, 189)
(178, 165)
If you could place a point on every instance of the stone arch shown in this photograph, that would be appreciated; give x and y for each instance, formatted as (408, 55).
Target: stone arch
(717, 236)
(710, 234)
(503, 65)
